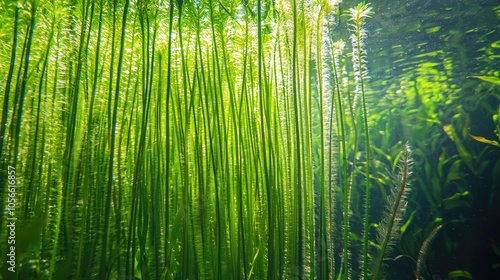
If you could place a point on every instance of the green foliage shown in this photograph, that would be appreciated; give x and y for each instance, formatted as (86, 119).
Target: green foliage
(453, 179)
(224, 140)
(156, 151)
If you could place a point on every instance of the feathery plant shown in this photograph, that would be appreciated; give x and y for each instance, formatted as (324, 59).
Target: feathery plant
(179, 139)
(392, 217)
(358, 17)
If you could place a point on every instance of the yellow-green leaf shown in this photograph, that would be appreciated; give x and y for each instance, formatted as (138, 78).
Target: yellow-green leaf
(489, 79)
(484, 140)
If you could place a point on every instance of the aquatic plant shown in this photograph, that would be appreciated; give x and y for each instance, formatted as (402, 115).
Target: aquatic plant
(496, 117)
(177, 139)
(388, 230)
(423, 251)
(358, 18)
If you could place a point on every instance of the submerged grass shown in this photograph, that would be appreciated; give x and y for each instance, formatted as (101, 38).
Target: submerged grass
(174, 140)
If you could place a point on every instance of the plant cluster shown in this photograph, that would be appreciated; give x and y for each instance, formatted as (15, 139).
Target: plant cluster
(210, 140)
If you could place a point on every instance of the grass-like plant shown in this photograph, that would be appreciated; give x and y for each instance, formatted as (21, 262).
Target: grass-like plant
(358, 17)
(201, 140)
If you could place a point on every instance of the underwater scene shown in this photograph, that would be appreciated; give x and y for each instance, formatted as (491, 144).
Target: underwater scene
(250, 139)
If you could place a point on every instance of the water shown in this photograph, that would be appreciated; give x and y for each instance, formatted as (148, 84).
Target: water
(439, 45)
(184, 140)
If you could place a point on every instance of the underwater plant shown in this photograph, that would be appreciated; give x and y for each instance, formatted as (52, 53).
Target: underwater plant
(193, 139)
(392, 218)
(496, 117)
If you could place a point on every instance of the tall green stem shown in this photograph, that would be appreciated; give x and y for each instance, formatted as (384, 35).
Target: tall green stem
(107, 212)
(358, 16)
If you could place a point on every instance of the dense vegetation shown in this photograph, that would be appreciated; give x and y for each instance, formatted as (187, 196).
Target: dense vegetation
(238, 140)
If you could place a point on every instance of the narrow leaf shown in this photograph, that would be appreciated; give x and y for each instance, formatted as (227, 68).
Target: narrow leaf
(489, 79)
(484, 140)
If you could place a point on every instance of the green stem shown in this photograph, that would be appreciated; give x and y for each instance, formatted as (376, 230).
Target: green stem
(107, 212)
